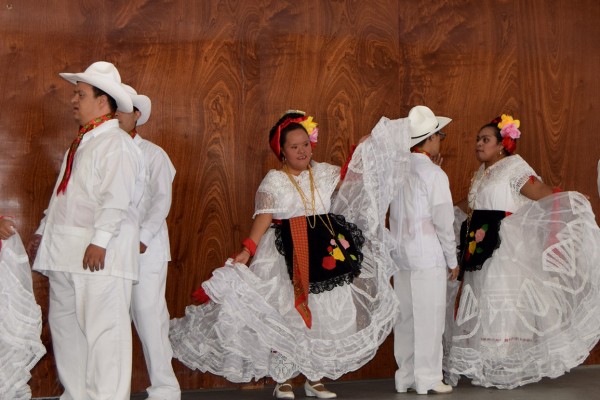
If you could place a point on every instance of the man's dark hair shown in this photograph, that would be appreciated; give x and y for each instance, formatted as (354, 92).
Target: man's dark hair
(112, 103)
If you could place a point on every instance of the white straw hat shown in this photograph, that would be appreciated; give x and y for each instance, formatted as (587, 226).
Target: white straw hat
(140, 102)
(105, 77)
(423, 123)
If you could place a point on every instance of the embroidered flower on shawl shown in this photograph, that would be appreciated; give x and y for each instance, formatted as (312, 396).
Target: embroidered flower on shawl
(335, 253)
(472, 246)
(328, 262)
(342, 241)
(478, 237)
(480, 233)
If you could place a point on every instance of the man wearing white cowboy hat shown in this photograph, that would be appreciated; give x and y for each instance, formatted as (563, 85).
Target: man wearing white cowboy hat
(421, 221)
(148, 305)
(90, 240)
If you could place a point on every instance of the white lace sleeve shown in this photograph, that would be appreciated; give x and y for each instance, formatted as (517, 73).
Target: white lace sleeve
(520, 174)
(267, 200)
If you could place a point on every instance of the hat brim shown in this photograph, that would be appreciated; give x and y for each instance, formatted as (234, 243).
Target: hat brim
(442, 122)
(143, 104)
(112, 88)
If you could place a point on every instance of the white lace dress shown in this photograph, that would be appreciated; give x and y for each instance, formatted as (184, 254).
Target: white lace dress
(250, 329)
(533, 310)
(20, 322)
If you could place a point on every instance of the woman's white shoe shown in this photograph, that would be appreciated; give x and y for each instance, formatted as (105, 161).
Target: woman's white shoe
(283, 394)
(318, 390)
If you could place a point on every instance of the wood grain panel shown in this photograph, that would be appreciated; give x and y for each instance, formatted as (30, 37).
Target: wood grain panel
(458, 61)
(220, 73)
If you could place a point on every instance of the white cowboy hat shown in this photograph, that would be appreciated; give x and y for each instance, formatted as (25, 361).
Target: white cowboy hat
(104, 76)
(423, 123)
(140, 102)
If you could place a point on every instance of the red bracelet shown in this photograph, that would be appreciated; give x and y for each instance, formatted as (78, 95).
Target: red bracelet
(201, 295)
(250, 245)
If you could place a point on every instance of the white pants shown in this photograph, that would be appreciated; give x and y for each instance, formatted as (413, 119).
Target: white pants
(418, 332)
(151, 318)
(91, 335)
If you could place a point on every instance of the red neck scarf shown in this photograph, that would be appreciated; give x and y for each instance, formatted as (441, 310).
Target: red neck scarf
(421, 151)
(133, 133)
(62, 187)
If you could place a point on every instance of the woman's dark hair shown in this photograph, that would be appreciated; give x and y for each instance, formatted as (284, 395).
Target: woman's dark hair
(112, 103)
(290, 127)
(494, 125)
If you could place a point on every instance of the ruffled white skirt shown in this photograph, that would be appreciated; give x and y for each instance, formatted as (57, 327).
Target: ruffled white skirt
(250, 328)
(20, 322)
(533, 310)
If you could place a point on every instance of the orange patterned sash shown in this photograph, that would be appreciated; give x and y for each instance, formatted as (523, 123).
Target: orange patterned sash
(300, 281)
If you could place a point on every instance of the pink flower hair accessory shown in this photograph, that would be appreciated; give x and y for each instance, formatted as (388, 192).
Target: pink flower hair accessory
(509, 127)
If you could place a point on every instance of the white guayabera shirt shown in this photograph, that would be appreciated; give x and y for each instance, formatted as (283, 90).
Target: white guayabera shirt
(98, 207)
(422, 218)
(156, 201)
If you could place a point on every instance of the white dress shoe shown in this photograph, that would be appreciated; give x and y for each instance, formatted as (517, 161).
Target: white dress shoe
(281, 394)
(440, 388)
(318, 390)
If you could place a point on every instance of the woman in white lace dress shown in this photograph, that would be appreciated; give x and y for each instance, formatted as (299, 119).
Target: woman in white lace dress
(20, 317)
(319, 313)
(530, 301)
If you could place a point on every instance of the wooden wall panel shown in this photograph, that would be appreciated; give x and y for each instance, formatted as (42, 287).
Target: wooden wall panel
(220, 73)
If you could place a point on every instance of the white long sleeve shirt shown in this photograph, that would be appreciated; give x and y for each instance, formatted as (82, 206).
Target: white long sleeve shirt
(422, 217)
(156, 201)
(99, 206)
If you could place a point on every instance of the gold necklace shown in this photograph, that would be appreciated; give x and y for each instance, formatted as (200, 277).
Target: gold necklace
(303, 197)
(328, 225)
